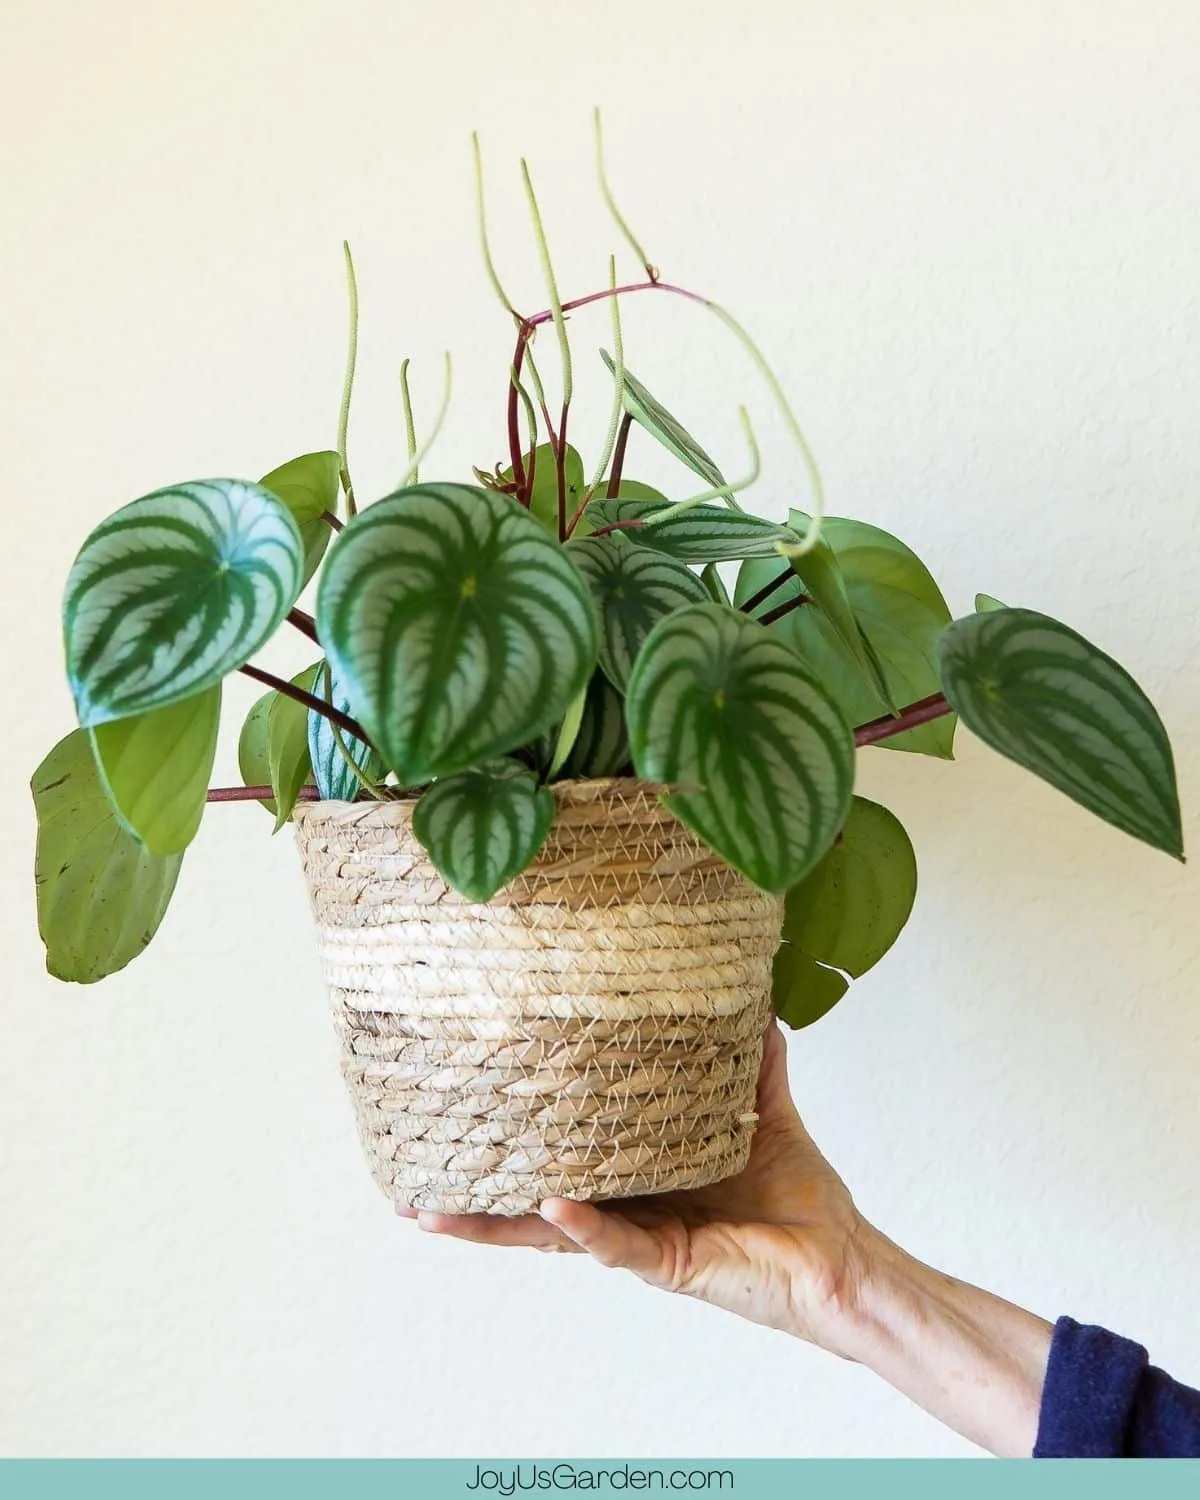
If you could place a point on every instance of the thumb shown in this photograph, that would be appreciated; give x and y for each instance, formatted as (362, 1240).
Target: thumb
(611, 1239)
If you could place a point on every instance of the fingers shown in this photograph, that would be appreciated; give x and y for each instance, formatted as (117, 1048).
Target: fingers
(610, 1238)
(775, 1102)
(528, 1230)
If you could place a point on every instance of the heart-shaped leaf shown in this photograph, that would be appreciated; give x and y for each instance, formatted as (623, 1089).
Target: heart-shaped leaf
(899, 609)
(335, 779)
(722, 710)
(254, 755)
(1041, 694)
(287, 745)
(660, 424)
(701, 534)
(844, 916)
(100, 892)
(543, 498)
(174, 591)
(155, 767)
(601, 747)
(458, 627)
(633, 589)
(483, 826)
(308, 487)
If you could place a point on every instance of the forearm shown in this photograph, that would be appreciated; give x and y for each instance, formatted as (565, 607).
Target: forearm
(972, 1360)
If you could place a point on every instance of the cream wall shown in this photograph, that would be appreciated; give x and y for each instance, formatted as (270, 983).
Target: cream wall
(966, 234)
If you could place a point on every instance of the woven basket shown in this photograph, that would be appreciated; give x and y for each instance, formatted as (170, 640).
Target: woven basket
(594, 1031)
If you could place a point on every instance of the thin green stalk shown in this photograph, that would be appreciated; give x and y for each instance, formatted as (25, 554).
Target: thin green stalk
(410, 431)
(348, 381)
(669, 511)
(611, 203)
(556, 310)
(481, 223)
(409, 476)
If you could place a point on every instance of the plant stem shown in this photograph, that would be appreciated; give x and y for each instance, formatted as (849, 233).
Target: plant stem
(618, 463)
(348, 381)
(310, 700)
(780, 610)
(560, 470)
(304, 623)
(256, 794)
(764, 593)
(619, 526)
(911, 717)
(331, 520)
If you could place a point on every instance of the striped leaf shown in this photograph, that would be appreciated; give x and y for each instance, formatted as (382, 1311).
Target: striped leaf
(899, 609)
(651, 415)
(601, 747)
(174, 591)
(459, 628)
(254, 757)
(101, 894)
(483, 826)
(335, 779)
(287, 745)
(763, 761)
(703, 534)
(843, 917)
(633, 589)
(155, 767)
(1041, 694)
(308, 487)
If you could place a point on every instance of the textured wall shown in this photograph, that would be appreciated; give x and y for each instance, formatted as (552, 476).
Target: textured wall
(966, 235)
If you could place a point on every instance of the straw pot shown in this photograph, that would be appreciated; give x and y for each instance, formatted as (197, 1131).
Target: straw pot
(594, 1031)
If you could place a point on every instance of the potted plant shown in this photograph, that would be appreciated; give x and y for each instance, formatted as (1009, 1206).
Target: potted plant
(571, 772)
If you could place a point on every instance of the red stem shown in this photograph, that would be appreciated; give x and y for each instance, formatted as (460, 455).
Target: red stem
(766, 591)
(256, 794)
(618, 461)
(304, 623)
(310, 700)
(911, 717)
(782, 609)
(331, 520)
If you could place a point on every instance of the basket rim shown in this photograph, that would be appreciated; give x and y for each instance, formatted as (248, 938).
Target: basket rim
(575, 792)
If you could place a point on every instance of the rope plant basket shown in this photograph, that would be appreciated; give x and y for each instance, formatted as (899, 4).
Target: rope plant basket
(571, 773)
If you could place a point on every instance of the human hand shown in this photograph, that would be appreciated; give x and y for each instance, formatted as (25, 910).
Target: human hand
(778, 1243)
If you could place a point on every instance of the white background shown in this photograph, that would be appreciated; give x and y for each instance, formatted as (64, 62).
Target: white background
(966, 235)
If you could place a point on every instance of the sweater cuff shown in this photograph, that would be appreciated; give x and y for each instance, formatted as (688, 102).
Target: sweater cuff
(1092, 1381)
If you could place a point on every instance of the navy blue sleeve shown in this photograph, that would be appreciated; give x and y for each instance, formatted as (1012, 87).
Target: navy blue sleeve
(1104, 1399)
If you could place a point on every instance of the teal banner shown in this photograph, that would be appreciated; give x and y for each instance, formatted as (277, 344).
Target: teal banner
(478, 1479)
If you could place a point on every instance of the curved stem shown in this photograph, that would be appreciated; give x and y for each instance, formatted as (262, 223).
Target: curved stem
(556, 307)
(729, 490)
(410, 431)
(481, 224)
(410, 474)
(610, 201)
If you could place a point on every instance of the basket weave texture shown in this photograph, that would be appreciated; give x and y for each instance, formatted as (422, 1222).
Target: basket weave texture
(594, 1031)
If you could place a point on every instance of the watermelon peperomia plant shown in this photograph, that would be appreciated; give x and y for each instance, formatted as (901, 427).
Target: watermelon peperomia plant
(476, 642)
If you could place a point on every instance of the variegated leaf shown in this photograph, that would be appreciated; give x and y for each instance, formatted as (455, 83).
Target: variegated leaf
(335, 779)
(762, 761)
(633, 589)
(601, 747)
(701, 534)
(174, 591)
(483, 826)
(1041, 694)
(458, 627)
(653, 416)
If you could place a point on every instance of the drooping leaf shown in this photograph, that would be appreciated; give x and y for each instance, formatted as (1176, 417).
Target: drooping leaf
(254, 755)
(174, 591)
(844, 916)
(334, 778)
(985, 603)
(711, 578)
(543, 499)
(1041, 694)
(821, 577)
(458, 627)
(287, 745)
(901, 613)
(483, 826)
(702, 534)
(100, 893)
(660, 424)
(308, 487)
(633, 589)
(568, 733)
(601, 747)
(763, 761)
(155, 767)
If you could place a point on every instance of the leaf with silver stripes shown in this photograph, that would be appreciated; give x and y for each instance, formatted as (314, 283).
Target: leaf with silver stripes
(173, 592)
(650, 414)
(633, 589)
(101, 894)
(760, 760)
(335, 779)
(1041, 694)
(458, 628)
(601, 747)
(700, 534)
(483, 826)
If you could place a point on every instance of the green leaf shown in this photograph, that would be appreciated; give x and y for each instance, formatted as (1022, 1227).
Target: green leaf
(633, 589)
(335, 780)
(100, 893)
(1041, 694)
(634, 489)
(901, 613)
(715, 585)
(543, 500)
(568, 733)
(660, 424)
(174, 591)
(985, 603)
(458, 627)
(483, 826)
(308, 487)
(254, 756)
(803, 990)
(721, 709)
(821, 576)
(287, 745)
(601, 747)
(155, 767)
(704, 533)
